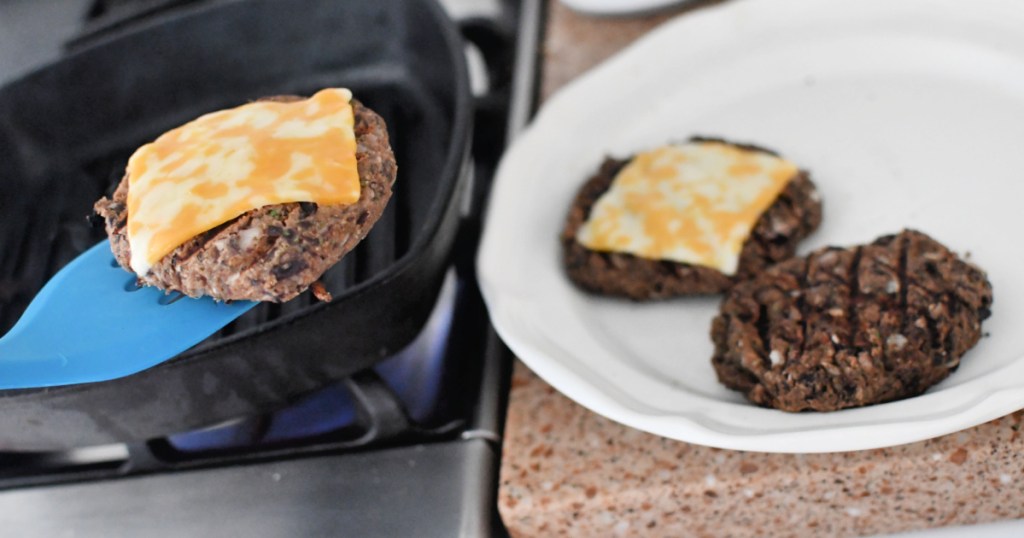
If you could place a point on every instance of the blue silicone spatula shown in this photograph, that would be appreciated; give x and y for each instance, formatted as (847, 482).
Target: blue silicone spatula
(91, 323)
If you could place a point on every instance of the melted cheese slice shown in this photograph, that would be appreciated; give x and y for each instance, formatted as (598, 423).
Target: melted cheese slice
(694, 203)
(213, 169)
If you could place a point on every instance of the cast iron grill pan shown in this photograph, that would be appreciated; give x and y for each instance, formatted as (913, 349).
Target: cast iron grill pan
(67, 130)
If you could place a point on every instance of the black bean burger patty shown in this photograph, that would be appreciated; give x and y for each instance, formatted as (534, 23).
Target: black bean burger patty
(792, 217)
(848, 327)
(275, 252)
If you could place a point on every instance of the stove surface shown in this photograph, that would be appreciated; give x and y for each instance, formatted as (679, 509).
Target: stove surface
(422, 490)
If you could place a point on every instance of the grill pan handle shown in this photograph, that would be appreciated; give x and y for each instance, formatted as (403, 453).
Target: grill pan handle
(494, 41)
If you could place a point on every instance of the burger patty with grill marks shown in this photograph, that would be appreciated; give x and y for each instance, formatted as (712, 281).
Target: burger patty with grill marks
(848, 327)
(272, 253)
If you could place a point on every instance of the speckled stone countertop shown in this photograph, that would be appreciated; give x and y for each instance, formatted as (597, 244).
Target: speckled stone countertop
(567, 471)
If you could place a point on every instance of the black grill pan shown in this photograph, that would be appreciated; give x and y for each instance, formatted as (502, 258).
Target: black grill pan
(67, 130)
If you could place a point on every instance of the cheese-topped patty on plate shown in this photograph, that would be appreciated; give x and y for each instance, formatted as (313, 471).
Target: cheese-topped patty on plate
(253, 203)
(687, 219)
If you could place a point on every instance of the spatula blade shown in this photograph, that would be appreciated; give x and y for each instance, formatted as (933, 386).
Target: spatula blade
(91, 323)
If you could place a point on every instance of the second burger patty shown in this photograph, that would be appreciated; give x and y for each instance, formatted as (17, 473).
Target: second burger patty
(847, 327)
(275, 252)
(792, 217)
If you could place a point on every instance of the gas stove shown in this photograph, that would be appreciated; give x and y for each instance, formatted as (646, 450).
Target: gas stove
(406, 448)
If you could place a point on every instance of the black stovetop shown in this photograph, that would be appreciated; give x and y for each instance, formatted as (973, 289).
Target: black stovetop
(410, 448)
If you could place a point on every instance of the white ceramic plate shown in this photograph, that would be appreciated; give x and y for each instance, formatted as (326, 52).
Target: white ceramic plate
(909, 113)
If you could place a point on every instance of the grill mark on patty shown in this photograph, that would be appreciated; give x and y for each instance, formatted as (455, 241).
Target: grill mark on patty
(902, 314)
(934, 343)
(762, 332)
(851, 308)
(948, 343)
(801, 304)
(901, 272)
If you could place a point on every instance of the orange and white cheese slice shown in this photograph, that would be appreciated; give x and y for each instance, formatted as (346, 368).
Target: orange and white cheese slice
(211, 170)
(693, 203)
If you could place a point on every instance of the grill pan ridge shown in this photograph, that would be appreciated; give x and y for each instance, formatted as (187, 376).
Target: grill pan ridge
(67, 130)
